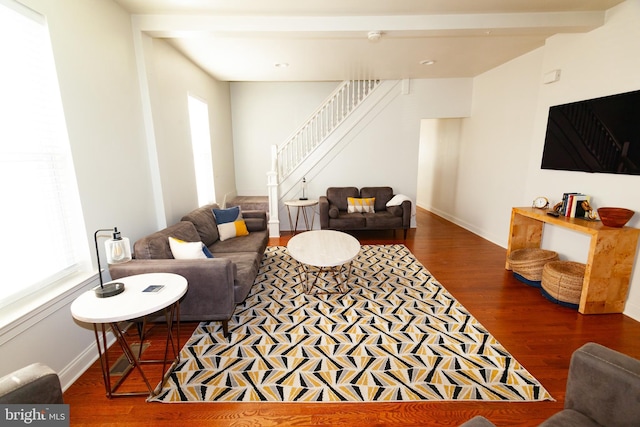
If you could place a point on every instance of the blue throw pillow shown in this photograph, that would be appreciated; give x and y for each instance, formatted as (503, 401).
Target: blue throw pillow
(223, 216)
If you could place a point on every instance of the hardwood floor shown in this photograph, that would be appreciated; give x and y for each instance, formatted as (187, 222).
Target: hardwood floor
(539, 334)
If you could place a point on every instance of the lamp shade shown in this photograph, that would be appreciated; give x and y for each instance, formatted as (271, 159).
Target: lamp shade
(118, 249)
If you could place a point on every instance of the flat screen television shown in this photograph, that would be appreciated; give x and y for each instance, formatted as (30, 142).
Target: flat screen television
(595, 135)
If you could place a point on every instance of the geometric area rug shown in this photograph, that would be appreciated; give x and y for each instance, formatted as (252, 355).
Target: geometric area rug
(397, 335)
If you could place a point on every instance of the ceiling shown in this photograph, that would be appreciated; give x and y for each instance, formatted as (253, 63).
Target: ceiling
(327, 40)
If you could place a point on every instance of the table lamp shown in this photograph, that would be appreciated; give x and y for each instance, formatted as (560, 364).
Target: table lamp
(118, 251)
(304, 189)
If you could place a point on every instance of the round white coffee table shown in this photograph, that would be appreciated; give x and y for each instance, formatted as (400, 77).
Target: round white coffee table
(136, 302)
(322, 251)
(301, 205)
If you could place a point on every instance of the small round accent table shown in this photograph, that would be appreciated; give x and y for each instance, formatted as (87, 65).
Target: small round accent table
(322, 251)
(137, 301)
(301, 205)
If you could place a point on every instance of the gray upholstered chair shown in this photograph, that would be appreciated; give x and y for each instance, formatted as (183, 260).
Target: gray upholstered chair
(603, 389)
(33, 384)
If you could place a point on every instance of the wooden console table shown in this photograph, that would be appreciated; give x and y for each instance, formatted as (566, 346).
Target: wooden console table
(612, 252)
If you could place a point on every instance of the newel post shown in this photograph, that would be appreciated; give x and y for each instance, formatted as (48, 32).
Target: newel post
(272, 189)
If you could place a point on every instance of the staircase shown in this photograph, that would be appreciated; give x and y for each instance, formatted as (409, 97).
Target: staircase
(331, 113)
(314, 137)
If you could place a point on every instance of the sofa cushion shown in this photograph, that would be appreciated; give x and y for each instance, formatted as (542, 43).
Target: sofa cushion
(333, 211)
(204, 222)
(337, 196)
(382, 195)
(382, 220)
(357, 204)
(253, 242)
(349, 221)
(246, 266)
(187, 250)
(156, 245)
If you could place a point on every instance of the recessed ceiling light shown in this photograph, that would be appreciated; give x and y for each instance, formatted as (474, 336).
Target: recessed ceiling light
(427, 62)
(281, 65)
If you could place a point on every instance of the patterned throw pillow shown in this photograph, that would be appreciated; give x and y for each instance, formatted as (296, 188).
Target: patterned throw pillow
(364, 205)
(223, 216)
(229, 230)
(188, 250)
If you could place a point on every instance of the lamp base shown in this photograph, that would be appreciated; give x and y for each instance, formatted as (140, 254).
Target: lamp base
(109, 289)
(304, 198)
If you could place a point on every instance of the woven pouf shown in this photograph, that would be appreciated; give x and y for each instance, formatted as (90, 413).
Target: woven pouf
(527, 264)
(562, 282)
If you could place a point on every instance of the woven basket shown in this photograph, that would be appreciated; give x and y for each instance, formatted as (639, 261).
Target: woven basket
(529, 262)
(562, 280)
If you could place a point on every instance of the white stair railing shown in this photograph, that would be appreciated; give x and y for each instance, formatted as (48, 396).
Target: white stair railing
(320, 124)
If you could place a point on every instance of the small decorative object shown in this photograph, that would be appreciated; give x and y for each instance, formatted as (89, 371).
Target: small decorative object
(615, 217)
(304, 189)
(118, 251)
(589, 213)
(541, 202)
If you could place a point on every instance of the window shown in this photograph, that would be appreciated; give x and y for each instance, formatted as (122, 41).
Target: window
(43, 234)
(201, 143)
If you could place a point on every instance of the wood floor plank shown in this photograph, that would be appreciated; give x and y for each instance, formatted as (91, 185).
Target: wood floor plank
(539, 334)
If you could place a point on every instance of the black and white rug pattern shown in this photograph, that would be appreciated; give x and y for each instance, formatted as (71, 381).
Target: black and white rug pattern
(396, 335)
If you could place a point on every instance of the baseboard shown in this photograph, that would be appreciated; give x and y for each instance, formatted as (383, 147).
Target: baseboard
(467, 226)
(70, 373)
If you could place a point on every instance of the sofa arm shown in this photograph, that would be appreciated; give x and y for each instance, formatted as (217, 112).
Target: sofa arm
(33, 384)
(210, 295)
(604, 385)
(323, 212)
(406, 214)
(256, 220)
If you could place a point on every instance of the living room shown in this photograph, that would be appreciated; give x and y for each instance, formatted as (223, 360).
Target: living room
(489, 161)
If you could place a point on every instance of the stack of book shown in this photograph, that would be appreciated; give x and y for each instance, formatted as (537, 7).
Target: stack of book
(572, 205)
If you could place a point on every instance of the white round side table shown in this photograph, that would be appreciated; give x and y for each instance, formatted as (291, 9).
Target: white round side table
(144, 294)
(301, 205)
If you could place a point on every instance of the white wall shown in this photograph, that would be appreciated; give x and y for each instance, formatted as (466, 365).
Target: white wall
(266, 114)
(95, 62)
(383, 150)
(172, 78)
(95, 54)
(502, 141)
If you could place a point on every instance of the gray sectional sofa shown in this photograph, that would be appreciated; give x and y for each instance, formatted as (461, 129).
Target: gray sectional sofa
(334, 213)
(216, 284)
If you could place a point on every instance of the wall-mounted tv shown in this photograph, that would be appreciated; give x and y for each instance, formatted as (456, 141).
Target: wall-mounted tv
(595, 135)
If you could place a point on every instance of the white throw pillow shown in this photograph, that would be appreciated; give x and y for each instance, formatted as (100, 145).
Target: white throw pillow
(186, 250)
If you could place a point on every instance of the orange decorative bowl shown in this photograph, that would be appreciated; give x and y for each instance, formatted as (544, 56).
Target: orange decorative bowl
(615, 217)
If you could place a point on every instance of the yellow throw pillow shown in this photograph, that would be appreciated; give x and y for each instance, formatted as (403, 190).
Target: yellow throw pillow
(364, 205)
(229, 230)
